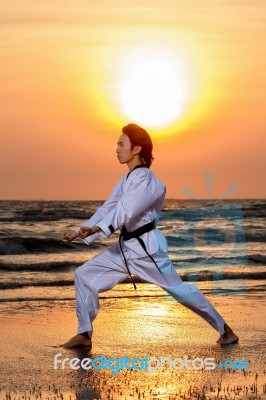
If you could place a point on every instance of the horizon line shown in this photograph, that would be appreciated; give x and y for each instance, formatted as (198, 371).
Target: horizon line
(170, 198)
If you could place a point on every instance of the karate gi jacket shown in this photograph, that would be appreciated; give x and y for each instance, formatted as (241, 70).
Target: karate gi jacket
(136, 200)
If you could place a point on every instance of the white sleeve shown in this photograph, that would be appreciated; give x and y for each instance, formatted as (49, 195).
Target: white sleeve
(138, 197)
(105, 208)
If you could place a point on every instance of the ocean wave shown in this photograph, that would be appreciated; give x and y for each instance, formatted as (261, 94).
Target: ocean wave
(201, 276)
(25, 245)
(258, 211)
(37, 210)
(45, 214)
(19, 285)
(20, 245)
(218, 292)
(51, 266)
(210, 239)
(257, 258)
(216, 262)
(258, 236)
(234, 291)
(245, 236)
(63, 265)
(226, 261)
(27, 299)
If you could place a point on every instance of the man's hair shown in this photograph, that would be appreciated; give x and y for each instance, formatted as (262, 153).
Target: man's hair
(139, 137)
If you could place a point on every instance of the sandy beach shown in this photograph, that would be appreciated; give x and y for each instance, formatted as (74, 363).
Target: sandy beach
(131, 327)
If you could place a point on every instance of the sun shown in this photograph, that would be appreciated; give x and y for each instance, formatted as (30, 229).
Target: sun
(152, 91)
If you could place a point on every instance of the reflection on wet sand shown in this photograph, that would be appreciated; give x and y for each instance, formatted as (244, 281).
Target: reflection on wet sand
(134, 328)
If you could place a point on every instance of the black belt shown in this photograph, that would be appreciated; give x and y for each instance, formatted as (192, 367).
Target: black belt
(136, 235)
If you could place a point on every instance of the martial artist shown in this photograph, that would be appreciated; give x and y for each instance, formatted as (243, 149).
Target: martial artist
(134, 206)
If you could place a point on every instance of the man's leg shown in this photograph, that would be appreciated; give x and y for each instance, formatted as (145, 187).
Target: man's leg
(187, 294)
(99, 274)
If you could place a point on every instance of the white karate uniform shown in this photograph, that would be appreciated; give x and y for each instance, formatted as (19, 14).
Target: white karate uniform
(136, 200)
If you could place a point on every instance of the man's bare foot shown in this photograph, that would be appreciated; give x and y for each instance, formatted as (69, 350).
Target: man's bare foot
(78, 340)
(228, 337)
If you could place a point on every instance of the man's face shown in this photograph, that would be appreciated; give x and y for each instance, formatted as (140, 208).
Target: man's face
(124, 151)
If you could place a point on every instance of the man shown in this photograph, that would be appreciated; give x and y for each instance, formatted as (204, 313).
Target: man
(135, 205)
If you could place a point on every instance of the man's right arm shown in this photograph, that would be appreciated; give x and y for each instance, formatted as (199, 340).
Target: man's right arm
(105, 208)
(101, 212)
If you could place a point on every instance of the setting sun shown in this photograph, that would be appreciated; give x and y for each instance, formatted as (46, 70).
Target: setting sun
(72, 77)
(153, 89)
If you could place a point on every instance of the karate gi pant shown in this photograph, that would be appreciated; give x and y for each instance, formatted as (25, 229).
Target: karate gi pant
(105, 270)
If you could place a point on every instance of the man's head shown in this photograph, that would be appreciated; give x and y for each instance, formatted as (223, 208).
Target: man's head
(135, 144)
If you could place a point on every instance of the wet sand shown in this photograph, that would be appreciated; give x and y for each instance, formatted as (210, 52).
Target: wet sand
(132, 327)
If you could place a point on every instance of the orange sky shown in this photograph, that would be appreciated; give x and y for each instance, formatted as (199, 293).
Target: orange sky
(62, 67)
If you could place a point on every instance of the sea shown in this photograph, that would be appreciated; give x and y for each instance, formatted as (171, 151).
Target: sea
(218, 245)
